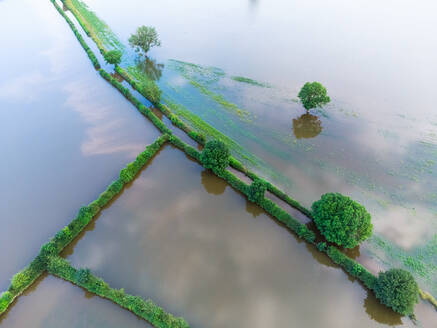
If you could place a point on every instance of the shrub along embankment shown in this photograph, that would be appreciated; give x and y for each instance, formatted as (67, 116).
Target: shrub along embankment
(23, 279)
(349, 265)
(145, 309)
(79, 37)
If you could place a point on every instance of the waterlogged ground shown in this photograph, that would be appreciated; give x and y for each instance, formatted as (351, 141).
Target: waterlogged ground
(201, 250)
(65, 132)
(54, 303)
(194, 245)
(376, 141)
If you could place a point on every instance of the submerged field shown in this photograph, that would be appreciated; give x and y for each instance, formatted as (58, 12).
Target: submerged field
(179, 234)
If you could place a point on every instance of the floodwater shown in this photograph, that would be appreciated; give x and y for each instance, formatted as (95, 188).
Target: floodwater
(53, 303)
(187, 240)
(376, 141)
(65, 133)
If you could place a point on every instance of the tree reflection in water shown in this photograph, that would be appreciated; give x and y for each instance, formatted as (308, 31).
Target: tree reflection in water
(307, 126)
(150, 67)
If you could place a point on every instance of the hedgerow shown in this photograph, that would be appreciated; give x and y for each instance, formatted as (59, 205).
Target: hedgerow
(256, 191)
(147, 310)
(352, 267)
(23, 279)
(79, 37)
(143, 109)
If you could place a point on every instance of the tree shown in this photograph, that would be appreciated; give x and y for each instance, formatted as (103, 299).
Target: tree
(257, 190)
(397, 289)
(145, 38)
(313, 95)
(113, 57)
(342, 220)
(215, 156)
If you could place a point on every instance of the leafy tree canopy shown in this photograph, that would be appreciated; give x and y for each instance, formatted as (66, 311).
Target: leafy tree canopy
(257, 190)
(397, 289)
(342, 220)
(145, 38)
(313, 95)
(215, 155)
(113, 57)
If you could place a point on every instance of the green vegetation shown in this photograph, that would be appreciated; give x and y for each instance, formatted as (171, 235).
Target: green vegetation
(342, 220)
(23, 279)
(113, 57)
(397, 289)
(250, 81)
(79, 37)
(215, 156)
(143, 109)
(140, 82)
(144, 38)
(313, 95)
(93, 26)
(257, 190)
(147, 310)
(196, 74)
(27, 276)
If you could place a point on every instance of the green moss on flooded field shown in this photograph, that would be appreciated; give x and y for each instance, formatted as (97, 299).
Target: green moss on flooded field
(200, 77)
(250, 81)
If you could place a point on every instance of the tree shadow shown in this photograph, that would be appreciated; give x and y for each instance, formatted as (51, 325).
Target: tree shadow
(379, 312)
(307, 126)
(213, 184)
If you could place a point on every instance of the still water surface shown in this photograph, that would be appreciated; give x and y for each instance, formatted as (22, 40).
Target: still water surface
(65, 133)
(54, 303)
(187, 240)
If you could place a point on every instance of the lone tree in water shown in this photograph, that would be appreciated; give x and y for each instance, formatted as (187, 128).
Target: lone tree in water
(313, 95)
(397, 289)
(113, 57)
(145, 38)
(342, 220)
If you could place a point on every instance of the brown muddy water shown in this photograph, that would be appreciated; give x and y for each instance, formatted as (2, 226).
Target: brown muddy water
(54, 303)
(187, 240)
(65, 133)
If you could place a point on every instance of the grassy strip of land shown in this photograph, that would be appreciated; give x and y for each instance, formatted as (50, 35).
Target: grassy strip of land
(145, 309)
(25, 278)
(349, 265)
(79, 37)
(94, 27)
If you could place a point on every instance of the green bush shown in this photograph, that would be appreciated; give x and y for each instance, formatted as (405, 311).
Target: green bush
(352, 267)
(397, 289)
(113, 57)
(215, 156)
(5, 299)
(256, 191)
(342, 220)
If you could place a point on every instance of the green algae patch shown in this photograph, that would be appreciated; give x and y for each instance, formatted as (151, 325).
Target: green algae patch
(250, 81)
